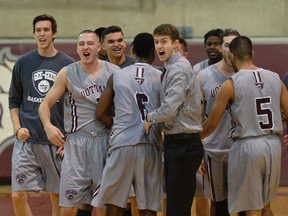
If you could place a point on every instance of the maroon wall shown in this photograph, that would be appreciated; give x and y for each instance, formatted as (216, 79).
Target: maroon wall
(269, 56)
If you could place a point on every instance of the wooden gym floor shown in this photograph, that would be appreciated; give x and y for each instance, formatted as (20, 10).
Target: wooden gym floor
(40, 203)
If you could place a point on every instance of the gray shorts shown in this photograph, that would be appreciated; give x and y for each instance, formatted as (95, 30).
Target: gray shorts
(253, 173)
(200, 186)
(35, 167)
(139, 165)
(215, 181)
(82, 166)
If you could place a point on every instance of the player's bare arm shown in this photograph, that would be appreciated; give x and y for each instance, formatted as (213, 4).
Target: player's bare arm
(105, 105)
(223, 98)
(21, 133)
(58, 89)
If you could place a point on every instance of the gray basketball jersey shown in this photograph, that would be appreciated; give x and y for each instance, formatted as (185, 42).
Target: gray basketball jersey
(256, 109)
(137, 92)
(201, 65)
(81, 102)
(218, 144)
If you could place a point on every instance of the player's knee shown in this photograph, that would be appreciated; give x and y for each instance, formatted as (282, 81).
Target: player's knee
(66, 211)
(19, 196)
(253, 213)
(54, 196)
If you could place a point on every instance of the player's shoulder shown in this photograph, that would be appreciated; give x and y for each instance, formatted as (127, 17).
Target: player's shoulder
(201, 65)
(28, 55)
(207, 71)
(158, 71)
(130, 59)
(109, 65)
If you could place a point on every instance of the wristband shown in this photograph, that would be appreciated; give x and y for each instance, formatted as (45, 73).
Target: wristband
(149, 121)
(17, 131)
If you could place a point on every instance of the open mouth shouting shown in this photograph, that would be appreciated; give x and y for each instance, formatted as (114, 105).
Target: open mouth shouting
(161, 55)
(86, 54)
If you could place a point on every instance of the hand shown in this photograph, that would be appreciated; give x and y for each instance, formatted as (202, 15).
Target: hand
(147, 126)
(285, 140)
(60, 152)
(54, 135)
(23, 134)
(201, 170)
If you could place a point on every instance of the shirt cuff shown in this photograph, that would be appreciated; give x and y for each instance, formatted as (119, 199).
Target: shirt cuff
(149, 118)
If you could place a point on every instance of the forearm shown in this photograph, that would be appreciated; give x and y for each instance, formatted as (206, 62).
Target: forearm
(168, 109)
(21, 133)
(15, 118)
(173, 98)
(207, 129)
(44, 114)
(106, 119)
(159, 116)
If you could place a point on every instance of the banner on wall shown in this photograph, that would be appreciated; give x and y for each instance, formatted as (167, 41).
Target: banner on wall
(7, 61)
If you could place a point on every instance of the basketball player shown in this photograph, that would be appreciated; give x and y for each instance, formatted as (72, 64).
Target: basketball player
(86, 142)
(115, 45)
(212, 45)
(218, 144)
(134, 157)
(254, 96)
(34, 163)
(113, 42)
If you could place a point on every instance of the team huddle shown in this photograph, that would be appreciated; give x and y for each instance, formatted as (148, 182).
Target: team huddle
(114, 133)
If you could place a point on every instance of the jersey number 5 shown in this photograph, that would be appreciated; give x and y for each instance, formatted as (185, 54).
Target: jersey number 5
(261, 111)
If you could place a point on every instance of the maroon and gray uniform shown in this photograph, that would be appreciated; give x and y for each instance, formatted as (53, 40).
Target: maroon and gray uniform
(218, 144)
(87, 140)
(134, 156)
(254, 159)
(201, 65)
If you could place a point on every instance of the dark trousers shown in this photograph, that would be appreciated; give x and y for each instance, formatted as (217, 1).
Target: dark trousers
(183, 154)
